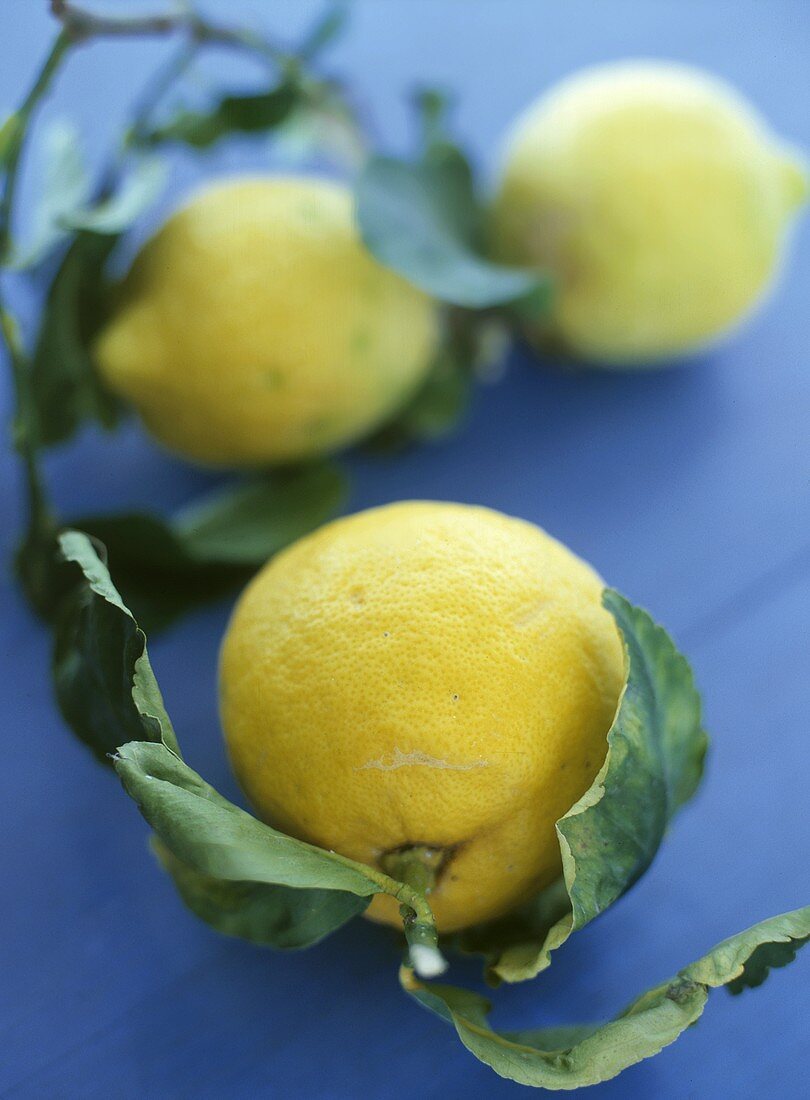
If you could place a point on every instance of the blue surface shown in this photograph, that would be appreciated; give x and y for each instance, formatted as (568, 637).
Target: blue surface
(688, 490)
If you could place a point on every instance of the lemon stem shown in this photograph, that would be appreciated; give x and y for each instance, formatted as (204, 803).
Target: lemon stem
(416, 869)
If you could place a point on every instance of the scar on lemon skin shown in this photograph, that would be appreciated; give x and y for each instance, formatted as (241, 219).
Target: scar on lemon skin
(400, 759)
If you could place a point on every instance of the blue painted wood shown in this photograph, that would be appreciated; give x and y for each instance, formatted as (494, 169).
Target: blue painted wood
(688, 490)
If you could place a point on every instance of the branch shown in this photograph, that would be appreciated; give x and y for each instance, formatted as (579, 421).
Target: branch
(29, 105)
(82, 25)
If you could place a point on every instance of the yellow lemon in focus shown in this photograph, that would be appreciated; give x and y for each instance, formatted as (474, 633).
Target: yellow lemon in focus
(424, 678)
(660, 201)
(256, 328)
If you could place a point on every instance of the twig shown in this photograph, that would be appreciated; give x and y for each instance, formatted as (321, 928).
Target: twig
(84, 24)
(25, 426)
(81, 25)
(157, 88)
(29, 104)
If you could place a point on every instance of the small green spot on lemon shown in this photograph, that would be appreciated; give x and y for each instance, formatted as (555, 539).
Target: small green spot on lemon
(360, 342)
(273, 379)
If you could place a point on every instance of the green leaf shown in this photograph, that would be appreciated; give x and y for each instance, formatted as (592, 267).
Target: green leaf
(608, 839)
(435, 409)
(166, 568)
(440, 403)
(322, 126)
(471, 346)
(237, 873)
(152, 568)
(219, 841)
(568, 1058)
(138, 191)
(271, 916)
(104, 682)
(513, 945)
(9, 135)
(39, 566)
(65, 187)
(420, 220)
(745, 960)
(232, 114)
(247, 524)
(65, 384)
(66, 387)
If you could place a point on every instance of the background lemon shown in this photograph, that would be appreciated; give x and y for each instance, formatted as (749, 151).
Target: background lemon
(424, 674)
(658, 198)
(256, 328)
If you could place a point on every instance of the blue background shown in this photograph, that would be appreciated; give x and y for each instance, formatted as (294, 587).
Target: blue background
(687, 489)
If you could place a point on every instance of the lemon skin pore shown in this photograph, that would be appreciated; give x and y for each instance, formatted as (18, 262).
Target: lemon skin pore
(424, 674)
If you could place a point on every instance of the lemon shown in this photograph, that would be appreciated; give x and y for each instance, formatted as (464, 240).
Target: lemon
(256, 328)
(657, 197)
(424, 678)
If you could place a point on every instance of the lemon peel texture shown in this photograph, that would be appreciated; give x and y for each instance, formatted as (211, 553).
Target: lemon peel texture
(424, 678)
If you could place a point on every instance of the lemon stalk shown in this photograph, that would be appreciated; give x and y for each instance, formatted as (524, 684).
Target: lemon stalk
(417, 869)
(409, 881)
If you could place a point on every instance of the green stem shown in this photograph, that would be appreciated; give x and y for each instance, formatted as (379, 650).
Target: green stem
(81, 25)
(242, 40)
(158, 87)
(417, 916)
(414, 871)
(25, 425)
(418, 865)
(25, 429)
(35, 560)
(60, 47)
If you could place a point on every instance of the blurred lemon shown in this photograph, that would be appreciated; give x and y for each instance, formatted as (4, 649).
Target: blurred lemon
(433, 680)
(255, 327)
(659, 199)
